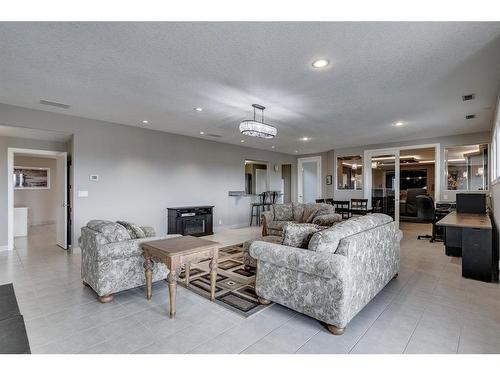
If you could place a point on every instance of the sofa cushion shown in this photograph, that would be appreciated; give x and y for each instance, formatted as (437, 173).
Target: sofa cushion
(311, 210)
(277, 225)
(298, 212)
(283, 212)
(113, 232)
(328, 240)
(298, 235)
(133, 230)
(327, 220)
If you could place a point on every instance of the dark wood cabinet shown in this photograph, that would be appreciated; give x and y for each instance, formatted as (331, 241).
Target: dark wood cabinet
(477, 255)
(190, 220)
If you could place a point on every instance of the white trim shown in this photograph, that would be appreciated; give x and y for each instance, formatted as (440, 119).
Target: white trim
(10, 193)
(5, 248)
(300, 188)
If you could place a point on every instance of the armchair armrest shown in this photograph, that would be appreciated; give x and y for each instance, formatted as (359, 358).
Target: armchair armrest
(325, 265)
(149, 231)
(327, 220)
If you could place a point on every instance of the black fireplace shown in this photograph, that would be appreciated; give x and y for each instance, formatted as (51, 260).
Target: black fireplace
(194, 221)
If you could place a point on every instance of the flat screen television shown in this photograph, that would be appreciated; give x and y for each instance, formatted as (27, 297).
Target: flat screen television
(471, 203)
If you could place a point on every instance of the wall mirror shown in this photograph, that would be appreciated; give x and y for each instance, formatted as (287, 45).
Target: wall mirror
(467, 167)
(350, 172)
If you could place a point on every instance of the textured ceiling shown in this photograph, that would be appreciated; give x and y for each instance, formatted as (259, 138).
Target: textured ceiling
(380, 73)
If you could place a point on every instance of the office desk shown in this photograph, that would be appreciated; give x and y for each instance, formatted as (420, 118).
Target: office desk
(470, 236)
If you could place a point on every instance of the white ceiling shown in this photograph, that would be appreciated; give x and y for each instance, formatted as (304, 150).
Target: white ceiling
(380, 73)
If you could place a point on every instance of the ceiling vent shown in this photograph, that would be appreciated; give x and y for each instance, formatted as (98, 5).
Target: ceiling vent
(214, 135)
(54, 104)
(468, 97)
(470, 117)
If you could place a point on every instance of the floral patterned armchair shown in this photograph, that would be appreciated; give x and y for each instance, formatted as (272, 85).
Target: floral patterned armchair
(112, 258)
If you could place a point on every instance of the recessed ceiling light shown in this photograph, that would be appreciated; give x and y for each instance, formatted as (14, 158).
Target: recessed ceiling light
(296, 151)
(321, 63)
(399, 123)
(305, 139)
(145, 122)
(198, 109)
(273, 146)
(242, 141)
(202, 133)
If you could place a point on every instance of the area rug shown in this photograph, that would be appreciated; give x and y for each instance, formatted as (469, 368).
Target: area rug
(235, 286)
(13, 337)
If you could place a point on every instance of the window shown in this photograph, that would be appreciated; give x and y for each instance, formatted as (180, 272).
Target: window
(467, 167)
(349, 173)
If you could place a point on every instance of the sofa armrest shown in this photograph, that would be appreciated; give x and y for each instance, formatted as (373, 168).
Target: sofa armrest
(325, 265)
(267, 217)
(327, 220)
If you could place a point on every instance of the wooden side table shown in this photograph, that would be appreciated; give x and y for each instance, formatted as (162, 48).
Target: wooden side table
(174, 253)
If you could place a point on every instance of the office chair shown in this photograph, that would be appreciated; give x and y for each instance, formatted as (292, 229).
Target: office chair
(426, 213)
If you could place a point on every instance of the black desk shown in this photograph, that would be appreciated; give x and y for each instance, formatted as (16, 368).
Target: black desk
(470, 236)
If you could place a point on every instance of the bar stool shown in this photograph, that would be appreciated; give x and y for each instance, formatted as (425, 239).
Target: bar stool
(255, 209)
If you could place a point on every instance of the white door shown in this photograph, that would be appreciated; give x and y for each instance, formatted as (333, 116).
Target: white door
(62, 201)
(381, 174)
(309, 179)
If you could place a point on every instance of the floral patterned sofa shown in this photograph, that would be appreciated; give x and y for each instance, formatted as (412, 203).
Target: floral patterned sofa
(340, 271)
(112, 258)
(279, 215)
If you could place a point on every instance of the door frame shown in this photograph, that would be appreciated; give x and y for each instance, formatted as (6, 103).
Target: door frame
(367, 175)
(10, 189)
(300, 187)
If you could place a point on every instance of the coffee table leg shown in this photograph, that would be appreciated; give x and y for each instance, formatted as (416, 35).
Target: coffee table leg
(172, 290)
(213, 277)
(148, 268)
(187, 270)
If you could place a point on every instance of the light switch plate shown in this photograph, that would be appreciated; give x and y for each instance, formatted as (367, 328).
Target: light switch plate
(94, 177)
(83, 193)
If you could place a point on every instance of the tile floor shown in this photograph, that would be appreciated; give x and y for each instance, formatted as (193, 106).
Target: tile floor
(430, 308)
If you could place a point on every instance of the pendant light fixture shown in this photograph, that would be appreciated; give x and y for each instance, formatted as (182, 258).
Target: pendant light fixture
(255, 128)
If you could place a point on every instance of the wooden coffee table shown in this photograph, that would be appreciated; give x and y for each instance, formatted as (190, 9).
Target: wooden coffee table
(177, 252)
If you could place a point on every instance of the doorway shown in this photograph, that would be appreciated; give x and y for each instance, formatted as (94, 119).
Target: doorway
(286, 178)
(382, 171)
(37, 193)
(309, 179)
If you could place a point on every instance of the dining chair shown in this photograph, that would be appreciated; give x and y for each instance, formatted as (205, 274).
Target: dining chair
(359, 206)
(342, 207)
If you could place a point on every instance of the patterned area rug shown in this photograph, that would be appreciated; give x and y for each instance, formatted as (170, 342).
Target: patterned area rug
(235, 286)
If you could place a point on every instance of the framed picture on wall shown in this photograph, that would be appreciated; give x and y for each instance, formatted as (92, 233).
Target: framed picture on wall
(31, 178)
(329, 179)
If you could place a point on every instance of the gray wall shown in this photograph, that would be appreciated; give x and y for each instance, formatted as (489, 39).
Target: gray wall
(142, 172)
(42, 203)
